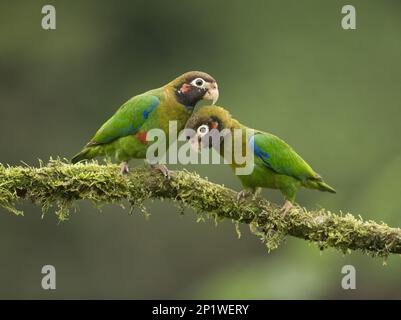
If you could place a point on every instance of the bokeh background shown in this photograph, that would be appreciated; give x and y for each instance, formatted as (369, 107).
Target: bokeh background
(283, 66)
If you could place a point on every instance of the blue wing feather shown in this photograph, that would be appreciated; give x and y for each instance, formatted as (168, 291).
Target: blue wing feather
(152, 107)
(262, 155)
(279, 157)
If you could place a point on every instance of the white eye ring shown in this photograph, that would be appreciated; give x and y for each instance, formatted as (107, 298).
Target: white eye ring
(202, 130)
(198, 82)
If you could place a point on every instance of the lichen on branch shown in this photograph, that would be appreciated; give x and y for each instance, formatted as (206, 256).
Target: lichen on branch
(60, 184)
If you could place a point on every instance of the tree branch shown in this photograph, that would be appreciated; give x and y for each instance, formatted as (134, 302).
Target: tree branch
(60, 184)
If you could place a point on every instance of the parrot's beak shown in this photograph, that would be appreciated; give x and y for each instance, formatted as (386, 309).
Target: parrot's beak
(212, 93)
(194, 142)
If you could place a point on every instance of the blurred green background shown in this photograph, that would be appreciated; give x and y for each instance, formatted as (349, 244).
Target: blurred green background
(283, 66)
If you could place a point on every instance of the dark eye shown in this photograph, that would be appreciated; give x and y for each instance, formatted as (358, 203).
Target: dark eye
(203, 129)
(198, 82)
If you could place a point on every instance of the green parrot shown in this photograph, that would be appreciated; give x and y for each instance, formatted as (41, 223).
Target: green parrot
(123, 136)
(276, 164)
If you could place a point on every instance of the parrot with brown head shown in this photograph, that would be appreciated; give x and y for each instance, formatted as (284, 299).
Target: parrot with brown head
(276, 165)
(123, 136)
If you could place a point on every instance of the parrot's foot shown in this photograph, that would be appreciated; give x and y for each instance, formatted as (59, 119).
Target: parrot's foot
(287, 206)
(163, 169)
(124, 168)
(160, 167)
(244, 194)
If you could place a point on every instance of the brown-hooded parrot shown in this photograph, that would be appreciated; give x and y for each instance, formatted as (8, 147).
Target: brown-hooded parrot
(123, 136)
(276, 164)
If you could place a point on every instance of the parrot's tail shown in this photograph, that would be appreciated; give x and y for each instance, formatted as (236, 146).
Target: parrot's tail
(320, 185)
(85, 154)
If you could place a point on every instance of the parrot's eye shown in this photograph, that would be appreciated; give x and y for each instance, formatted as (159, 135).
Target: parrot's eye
(198, 82)
(203, 129)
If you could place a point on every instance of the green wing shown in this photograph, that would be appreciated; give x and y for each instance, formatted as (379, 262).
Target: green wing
(128, 119)
(280, 157)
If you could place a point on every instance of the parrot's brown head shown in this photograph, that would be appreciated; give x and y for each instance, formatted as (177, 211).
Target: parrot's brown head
(207, 126)
(193, 86)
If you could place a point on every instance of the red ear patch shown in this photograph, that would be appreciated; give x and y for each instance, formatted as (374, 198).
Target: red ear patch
(214, 125)
(185, 88)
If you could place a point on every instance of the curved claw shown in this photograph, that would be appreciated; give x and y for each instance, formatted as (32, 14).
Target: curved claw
(124, 168)
(243, 194)
(163, 169)
(287, 206)
(160, 167)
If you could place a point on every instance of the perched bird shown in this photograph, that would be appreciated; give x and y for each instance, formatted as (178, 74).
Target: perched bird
(123, 136)
(276, 164)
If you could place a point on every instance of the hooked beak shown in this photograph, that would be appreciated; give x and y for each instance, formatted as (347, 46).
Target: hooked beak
(194, 142)
(212, 93)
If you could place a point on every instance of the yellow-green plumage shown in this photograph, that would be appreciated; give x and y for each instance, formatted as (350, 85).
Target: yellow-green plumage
(276, 164)
(123, 136)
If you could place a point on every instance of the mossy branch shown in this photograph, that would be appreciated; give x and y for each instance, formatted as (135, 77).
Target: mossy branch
(60, 183)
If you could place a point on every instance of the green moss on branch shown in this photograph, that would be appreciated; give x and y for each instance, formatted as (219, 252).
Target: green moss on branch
(60, 184)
